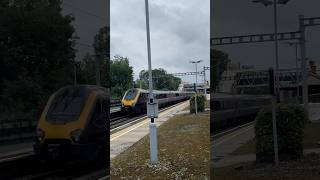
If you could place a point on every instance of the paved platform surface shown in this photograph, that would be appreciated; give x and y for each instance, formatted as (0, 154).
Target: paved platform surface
(123, 139)
(15, 149)
(221, 148)
(115, 109)
(314, 112)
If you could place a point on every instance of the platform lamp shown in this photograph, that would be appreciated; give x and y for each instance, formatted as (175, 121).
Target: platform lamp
(152, 105)
(196, 89)
(276, 96)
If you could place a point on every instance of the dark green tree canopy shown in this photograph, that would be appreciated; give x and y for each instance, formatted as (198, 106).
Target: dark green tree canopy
(86, 69)
(36, 48)
(219, 61)
(161, 80)
(121, 76)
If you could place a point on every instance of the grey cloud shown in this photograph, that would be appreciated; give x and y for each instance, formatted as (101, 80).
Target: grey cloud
(178, 33)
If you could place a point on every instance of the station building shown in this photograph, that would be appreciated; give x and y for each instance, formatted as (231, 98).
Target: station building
(250, 80)
(201, 87)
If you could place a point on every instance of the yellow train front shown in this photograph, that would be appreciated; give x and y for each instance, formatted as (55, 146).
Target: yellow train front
(73, 123)
(135, 100)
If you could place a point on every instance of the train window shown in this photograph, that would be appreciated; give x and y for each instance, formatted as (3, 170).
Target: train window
(131, 94)
(66, 105)
(177, 94)
(143, 97)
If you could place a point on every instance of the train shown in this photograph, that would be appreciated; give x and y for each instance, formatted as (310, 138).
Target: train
(135, 100)
(74, 124)
(228, 109)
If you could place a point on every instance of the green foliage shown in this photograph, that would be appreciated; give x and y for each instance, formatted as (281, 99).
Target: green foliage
(121, 76)
(291, 119)
(86, 69)
(219, 61)
(161, 80)
(101, 43)
(36, 52)
(201, 99)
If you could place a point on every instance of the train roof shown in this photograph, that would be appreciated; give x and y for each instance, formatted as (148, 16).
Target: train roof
(161, 92)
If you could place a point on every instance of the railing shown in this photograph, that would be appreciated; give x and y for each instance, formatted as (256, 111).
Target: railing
(314, 98)
(115, 102)
(17, 130)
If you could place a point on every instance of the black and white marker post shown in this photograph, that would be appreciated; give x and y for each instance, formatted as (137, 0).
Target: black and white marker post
(152, 106)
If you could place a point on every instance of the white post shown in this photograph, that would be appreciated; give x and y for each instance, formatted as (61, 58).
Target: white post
(195, 98)
(205, 82)
(152, 125)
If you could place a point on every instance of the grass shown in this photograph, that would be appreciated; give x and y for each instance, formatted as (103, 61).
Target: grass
(183, 151)
(311, 137)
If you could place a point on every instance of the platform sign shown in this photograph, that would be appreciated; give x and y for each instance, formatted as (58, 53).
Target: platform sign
(152, 109)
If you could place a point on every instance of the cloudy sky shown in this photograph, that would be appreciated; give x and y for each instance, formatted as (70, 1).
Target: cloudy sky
(234, 17)
(180, 32)
(90, 16)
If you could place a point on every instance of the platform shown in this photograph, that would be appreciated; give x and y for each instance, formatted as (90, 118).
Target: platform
(125, 138)
(13, 151)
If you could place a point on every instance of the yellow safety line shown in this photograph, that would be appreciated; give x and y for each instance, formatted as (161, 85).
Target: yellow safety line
(128, 131)
(116, 137)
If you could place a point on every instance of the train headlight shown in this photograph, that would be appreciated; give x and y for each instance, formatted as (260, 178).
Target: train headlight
(40, 134)
(76, 135)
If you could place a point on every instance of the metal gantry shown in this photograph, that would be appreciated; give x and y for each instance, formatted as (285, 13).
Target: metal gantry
(284, 36)
(255, 38)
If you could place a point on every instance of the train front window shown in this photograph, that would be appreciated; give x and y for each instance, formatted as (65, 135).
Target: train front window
(66, 106)
(131, 94)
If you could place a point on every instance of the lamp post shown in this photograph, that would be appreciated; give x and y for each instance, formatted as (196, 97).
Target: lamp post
(152, 108)
(275, 21)
(276, 96)
(195, 97)
(295, 44)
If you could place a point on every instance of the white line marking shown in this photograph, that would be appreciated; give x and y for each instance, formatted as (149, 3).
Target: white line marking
(232, 135)
(128, 131)
(233, 129)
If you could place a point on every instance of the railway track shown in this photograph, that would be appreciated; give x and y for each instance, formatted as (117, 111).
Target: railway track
(27, 166)
(121, 121)
(30, 167)
(74, 170)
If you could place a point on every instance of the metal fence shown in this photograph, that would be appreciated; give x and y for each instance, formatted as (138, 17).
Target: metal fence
(17, 130)
(115, 102)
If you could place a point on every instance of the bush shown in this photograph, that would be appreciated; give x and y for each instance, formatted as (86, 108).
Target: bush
(291, 119)
(201, 99)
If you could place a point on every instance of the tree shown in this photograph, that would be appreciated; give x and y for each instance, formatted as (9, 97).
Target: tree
(121, 76)
(36, 51)
(86, 69)
(219, 62)
(161, 80)
(101, 44)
